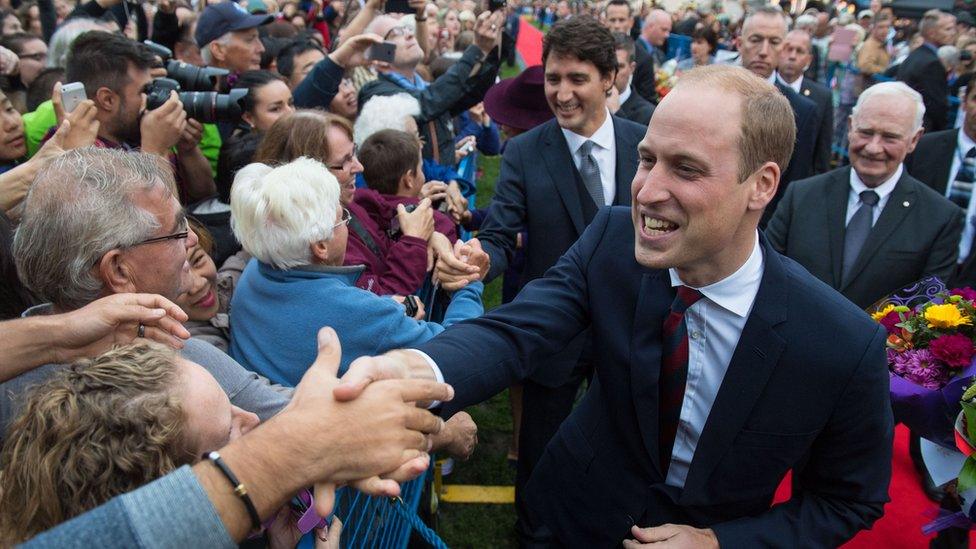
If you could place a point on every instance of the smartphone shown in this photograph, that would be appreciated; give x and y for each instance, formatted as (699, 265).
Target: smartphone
(398, 6)
(72, 95)
(410, 304)
(384, 51)
(495, 5)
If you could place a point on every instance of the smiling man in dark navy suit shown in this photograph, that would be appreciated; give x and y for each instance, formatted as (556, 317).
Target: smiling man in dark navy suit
(720, 364)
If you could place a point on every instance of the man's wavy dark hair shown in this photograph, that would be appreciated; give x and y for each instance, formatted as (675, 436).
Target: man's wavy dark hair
(585, 38)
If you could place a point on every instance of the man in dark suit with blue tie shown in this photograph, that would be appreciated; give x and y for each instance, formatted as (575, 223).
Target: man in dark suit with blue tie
(553, 180)
(760, 45)
(720, 364)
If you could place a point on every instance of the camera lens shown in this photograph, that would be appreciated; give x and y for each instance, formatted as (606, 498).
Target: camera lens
(192, 77)
(210, 107)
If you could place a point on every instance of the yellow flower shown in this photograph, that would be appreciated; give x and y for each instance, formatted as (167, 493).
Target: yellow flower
(877, 316)
(945, 316)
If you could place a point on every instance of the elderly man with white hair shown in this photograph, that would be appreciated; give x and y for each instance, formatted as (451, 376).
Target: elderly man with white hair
(290, 220)
(869, 229)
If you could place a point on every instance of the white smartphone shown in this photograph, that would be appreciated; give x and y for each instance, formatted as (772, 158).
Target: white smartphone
(72, 95)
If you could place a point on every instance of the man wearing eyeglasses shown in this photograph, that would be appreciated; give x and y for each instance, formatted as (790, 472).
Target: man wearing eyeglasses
(117, 228)
(461, 87)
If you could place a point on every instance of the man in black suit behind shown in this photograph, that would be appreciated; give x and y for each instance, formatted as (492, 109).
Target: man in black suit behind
(795, 59)
(618, 17)
(720, 364)
(760, 46)
(652, 49)
(633, 107)
(870, 229)
(946, 162)
(553, 180)
(923, 71)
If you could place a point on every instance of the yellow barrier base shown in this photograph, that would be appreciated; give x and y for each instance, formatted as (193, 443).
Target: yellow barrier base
(457, 493)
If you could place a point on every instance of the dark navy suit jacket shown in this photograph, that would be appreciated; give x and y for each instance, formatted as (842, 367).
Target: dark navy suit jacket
(802, 162)
(806, 389)
(538, 191)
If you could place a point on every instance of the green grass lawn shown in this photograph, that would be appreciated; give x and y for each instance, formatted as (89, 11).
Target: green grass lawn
(476, 525)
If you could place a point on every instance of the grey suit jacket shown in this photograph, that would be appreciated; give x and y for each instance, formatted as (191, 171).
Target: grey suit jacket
(916, 235)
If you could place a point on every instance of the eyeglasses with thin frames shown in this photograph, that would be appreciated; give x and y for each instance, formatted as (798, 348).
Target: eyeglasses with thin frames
(346, 216)
(175, 236)
(347, 161)
(396, 31)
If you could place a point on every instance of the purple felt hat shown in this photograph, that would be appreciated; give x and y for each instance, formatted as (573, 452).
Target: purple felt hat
(519, 102)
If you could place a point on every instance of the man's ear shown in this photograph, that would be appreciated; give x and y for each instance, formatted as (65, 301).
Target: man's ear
(320, 251)
(115, 273)
(217, 51)
(106, 99)
(406, 182)
(765, 185)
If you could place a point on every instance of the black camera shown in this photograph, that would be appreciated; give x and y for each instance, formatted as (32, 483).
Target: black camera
(190, 77)
(207, 107)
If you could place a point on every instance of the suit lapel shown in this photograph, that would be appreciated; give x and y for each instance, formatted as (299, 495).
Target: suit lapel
(626, 163)
(900, 202)
(752, 362)
(943, 165)
(559, 164)
(836, 209)
(653, 304)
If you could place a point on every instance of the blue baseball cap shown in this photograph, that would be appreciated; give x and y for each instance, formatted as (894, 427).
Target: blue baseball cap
(219, 19)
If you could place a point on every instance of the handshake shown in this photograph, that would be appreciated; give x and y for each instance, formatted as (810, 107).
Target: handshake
(369, 435)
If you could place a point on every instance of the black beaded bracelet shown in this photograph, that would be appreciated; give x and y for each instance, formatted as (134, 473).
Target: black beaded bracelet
(239, 489)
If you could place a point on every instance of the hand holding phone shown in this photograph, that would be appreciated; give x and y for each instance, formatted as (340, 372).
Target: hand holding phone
(385, 51)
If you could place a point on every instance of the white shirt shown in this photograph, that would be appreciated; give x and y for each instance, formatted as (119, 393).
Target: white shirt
(795, 85)
(715, 324)
(883, 190)
(604, 152)
(963, 145)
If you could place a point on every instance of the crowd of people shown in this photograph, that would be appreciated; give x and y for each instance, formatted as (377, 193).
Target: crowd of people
(242, 260)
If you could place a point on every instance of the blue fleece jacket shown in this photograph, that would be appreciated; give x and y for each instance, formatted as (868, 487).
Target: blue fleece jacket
(276, 315)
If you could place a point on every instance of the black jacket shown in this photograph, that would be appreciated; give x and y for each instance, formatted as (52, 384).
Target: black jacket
(923, 71)
(636, 108)
(460, 88)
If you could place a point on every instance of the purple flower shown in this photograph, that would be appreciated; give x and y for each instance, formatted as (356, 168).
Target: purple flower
(920, 367)
(967, 293)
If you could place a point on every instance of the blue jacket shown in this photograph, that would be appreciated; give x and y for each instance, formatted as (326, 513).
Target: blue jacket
(276, 315)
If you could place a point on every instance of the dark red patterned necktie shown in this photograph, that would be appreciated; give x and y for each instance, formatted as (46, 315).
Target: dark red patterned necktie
(674, 371)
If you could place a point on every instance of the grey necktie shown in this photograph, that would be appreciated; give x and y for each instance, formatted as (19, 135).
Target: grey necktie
(858, 230)
(590, 172)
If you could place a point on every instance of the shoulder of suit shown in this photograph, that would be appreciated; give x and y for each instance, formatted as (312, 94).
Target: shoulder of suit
(816, 184)
(938, 137)
(927, 194)
(530, 137)
(628, 128)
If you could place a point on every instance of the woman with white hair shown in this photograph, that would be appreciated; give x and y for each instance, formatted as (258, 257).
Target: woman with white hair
(290, 219)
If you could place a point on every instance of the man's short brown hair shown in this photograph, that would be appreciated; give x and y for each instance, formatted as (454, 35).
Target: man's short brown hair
(386, 156)
(767, 130)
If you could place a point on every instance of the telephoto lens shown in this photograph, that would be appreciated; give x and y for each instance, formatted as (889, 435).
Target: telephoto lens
(206, 107)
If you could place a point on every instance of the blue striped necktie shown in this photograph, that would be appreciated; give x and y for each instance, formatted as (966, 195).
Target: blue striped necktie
(962, 187)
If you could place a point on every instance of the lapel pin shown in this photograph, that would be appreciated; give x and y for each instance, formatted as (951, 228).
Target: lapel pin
(806, 92)
(905, 204)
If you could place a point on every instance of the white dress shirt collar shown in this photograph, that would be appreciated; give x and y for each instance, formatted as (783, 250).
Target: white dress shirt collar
(602, 137)
(883, 189)
(737, 292)
(796, 85)
(964, 143)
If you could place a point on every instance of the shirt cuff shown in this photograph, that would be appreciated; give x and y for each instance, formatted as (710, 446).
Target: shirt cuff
(437, 372)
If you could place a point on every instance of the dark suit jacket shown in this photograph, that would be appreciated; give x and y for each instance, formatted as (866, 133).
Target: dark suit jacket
(916, 235)
(806, 389)
(636, 109)
(801, 162)
(821, 95)
(644, 81)
(923, 71)
(931, 161)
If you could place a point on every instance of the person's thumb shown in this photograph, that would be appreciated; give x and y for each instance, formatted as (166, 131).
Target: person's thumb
(330, 354)
(324, 494)
(61, 134)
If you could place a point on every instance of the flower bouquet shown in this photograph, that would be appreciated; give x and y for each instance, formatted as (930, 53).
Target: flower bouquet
(930, 356)
(665, 78)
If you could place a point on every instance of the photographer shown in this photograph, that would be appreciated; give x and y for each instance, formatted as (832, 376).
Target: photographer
(116, 74)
